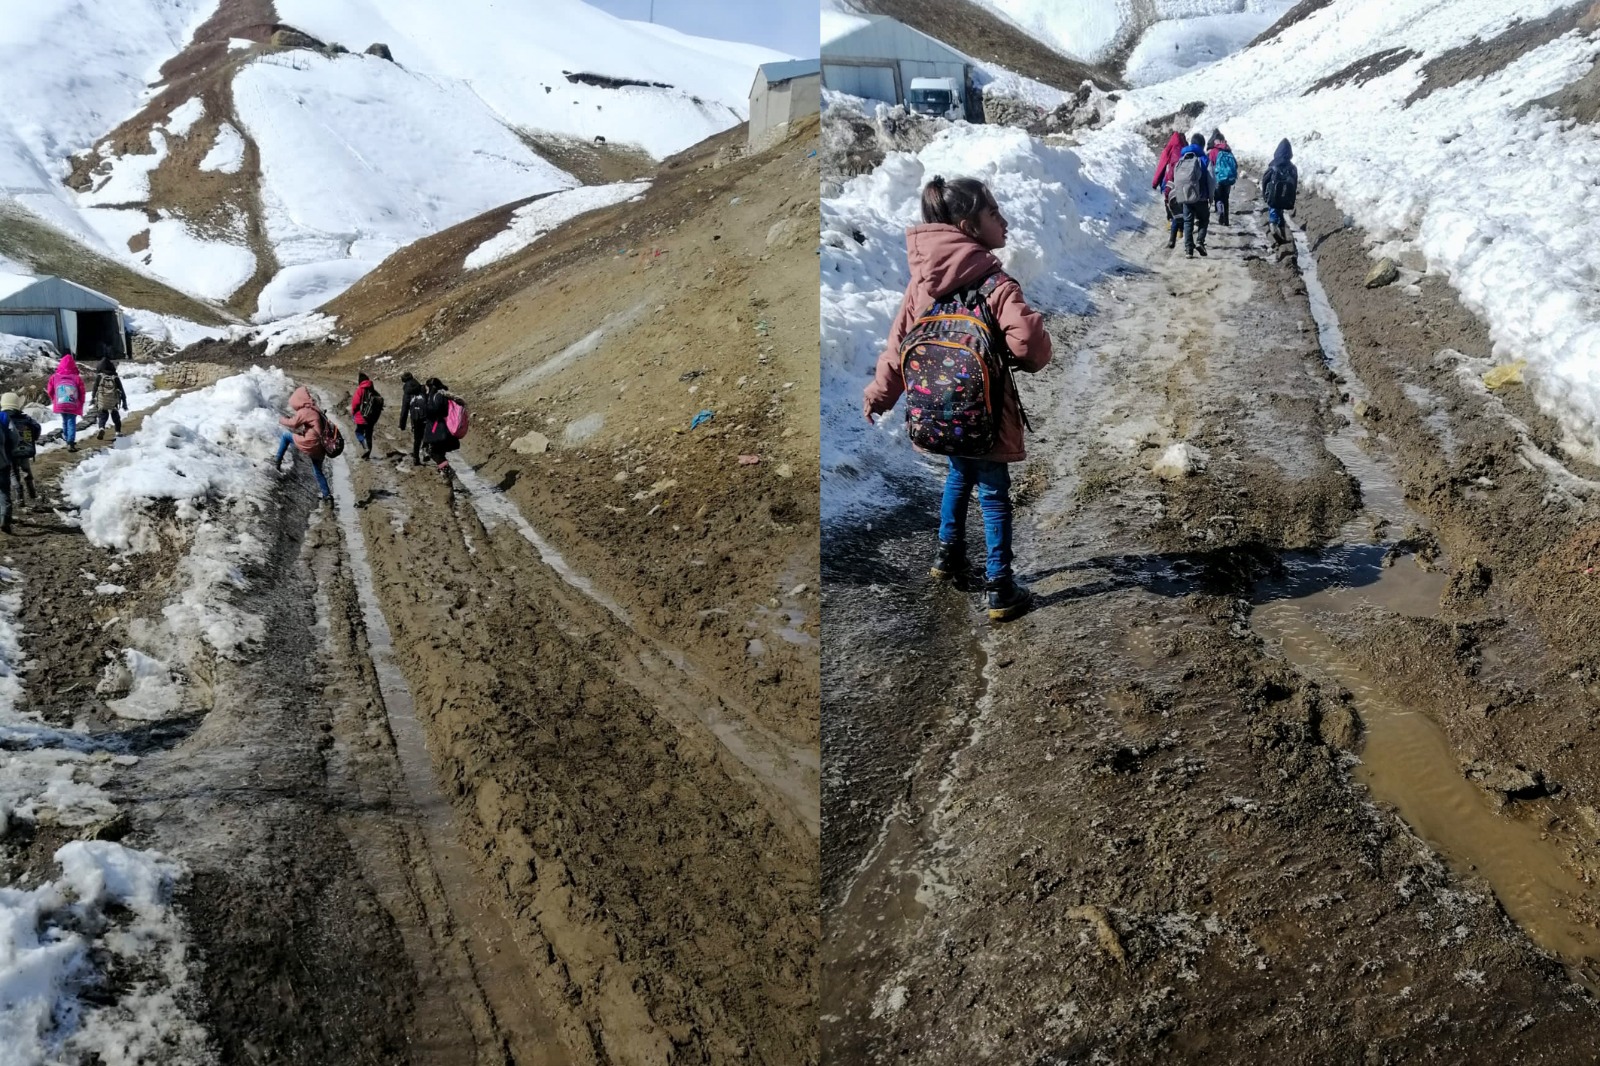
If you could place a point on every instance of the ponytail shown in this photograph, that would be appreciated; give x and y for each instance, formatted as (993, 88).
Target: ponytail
(956, 201)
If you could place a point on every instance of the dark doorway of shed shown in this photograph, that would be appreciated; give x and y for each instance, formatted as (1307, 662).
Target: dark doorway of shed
(100, 334)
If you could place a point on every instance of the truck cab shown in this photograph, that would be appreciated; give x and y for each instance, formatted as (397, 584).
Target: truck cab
(936, 97)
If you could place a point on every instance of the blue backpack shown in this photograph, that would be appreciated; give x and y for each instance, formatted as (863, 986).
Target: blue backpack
(1227, 168)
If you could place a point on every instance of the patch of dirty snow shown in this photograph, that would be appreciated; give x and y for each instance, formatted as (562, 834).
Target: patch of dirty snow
(532, 221)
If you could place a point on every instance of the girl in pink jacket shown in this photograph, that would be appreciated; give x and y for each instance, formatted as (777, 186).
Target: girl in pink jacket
(954, 251)
(66, 398)
(303, 428)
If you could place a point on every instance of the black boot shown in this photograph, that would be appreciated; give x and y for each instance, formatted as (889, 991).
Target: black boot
(1007, 599)
(950, 560)
(1201, 249)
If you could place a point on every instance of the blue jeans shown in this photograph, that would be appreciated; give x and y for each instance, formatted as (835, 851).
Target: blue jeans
(1274, 216)
(316, 464)
(69, 428)
(993, 482)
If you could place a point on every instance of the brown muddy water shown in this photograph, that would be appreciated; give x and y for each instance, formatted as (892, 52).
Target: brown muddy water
(1406, 759)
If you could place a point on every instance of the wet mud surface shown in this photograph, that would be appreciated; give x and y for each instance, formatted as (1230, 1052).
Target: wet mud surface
(1292, 758)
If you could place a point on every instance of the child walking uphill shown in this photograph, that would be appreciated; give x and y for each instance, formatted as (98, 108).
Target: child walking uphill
(1191, 184)
(435, 411)
(1279, 183)
(109, 397)
(305, 422)
(1163, 181)
(365, 405)
(952, 258)
(27, 443)
(1224, 172)
(66, 398)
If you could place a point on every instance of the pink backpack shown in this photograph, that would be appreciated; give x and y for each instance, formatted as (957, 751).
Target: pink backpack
(456, 419)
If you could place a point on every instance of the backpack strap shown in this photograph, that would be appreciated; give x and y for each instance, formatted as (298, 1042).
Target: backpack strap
(986, 290)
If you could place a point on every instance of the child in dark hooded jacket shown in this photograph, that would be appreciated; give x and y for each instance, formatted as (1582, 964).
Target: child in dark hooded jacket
(110, 397)
(1279, 183)
(952, 252)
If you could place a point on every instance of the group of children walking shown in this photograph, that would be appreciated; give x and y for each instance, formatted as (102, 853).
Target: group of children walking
(1197, 173)
(438, 421)
(68, 397)
(964, 326)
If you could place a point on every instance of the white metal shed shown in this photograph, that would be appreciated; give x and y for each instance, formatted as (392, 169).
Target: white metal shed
(875, 57)
(783, 92)
(70, 316)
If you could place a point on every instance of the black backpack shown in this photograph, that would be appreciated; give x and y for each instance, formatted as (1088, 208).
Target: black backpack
(371, 405)
(1278, 187)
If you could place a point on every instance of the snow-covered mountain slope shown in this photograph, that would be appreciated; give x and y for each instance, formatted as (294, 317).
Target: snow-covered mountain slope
(1427, 122)
(210, 145)
(1099, 30)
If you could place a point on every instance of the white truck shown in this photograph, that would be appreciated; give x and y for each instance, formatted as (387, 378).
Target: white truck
(936, 97)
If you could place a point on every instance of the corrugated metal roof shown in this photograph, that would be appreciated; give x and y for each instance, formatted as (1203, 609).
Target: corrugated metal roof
(790, 68)
(881, 37)
(53, 292)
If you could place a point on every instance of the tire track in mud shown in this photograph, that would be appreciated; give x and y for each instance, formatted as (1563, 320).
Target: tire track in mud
(1145, 844)
(674, 901)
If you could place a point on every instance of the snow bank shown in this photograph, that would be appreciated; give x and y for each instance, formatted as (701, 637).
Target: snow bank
(300, 329)
(202, 449)
(227, 153)
(110, 907)
(28, 354)
(170, 328)
(205, 452)
(1518, 250)
(183, 117)
(1063, 205)
(532, 221)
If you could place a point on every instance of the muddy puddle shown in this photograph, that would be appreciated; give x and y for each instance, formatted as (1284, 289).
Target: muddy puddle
(1319, 605)
(495, 970)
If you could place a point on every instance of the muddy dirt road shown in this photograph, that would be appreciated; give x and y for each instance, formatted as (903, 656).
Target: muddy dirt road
(456, 805)
(1292, 757)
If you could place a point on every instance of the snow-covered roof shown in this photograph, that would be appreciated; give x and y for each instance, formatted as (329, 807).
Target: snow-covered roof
(836, 24)
(790, 68)
(52, 292)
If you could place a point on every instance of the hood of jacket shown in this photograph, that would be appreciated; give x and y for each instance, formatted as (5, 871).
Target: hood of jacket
(1175, 142)
(1284, 152)
(1221, 145)
(68, 366)
(943, 258)
(105, 366)
(1191, 149)
(301, 398)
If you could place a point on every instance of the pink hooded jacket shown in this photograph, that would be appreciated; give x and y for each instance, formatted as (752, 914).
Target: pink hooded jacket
(304, 421)
(66, 374)
(1168, 160)
(943, 259)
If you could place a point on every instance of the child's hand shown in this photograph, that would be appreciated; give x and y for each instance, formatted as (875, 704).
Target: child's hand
(868, 410)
